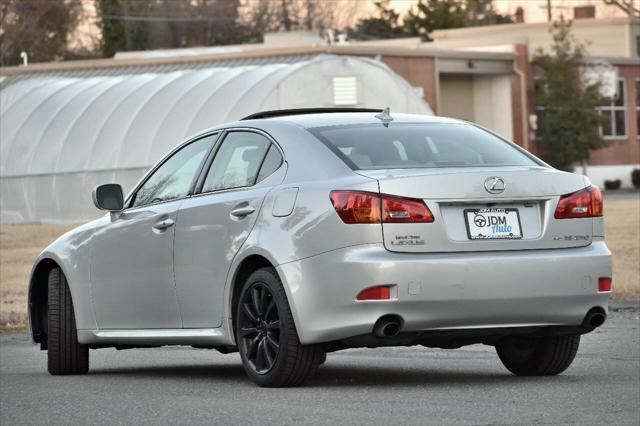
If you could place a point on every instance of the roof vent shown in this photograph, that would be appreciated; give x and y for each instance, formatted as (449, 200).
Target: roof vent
(345, 91)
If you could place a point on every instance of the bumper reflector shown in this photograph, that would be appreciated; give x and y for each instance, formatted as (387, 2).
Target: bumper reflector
(381, 292)
(604, 284)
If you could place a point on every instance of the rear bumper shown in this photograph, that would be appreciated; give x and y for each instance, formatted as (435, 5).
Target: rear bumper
(444, 291)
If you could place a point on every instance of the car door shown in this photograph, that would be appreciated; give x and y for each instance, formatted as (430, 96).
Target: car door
(132, 280)
(213, 225)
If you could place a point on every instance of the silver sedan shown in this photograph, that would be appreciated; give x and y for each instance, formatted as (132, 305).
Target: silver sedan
(291, 234)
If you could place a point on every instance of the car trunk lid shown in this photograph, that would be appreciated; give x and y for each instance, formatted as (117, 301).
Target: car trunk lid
(457, 196)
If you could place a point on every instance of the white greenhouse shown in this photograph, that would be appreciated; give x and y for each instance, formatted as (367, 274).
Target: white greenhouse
(63, 132)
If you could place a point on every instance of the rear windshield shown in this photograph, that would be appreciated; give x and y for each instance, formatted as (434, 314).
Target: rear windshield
(406, 146)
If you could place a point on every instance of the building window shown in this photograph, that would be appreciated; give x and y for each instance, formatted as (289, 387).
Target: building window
(638, 106)
(614, 113)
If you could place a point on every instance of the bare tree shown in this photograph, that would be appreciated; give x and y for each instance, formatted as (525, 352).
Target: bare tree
(38, 27)
(290, 15)
(631, 7)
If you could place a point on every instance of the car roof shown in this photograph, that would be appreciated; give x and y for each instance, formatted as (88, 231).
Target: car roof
(310, 120)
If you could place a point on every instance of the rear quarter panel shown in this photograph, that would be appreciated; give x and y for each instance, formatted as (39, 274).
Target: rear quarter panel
(311, 226)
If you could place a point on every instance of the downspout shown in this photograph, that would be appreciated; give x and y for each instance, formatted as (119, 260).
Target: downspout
(523, 104)
(436, 78)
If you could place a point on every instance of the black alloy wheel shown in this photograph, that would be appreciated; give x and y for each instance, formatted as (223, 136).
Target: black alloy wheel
(259, 328)
(266, 334)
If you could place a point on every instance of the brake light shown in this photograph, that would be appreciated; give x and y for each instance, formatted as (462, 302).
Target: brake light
(369, 207)
(584, 203)
(382, 292)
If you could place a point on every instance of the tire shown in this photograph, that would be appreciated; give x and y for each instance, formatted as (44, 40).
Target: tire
(64, 354)
(546, 356)
(263, 317)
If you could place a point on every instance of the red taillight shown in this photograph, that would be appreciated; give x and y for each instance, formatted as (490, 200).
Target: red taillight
(604, 284)
(369, 207)
(404, 210)
(382, 292)
(584, 203)
(356, 207)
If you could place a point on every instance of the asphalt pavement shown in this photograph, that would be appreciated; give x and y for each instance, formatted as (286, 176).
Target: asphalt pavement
(396, 386)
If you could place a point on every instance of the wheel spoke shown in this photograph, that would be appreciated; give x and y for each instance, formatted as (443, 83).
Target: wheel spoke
(269, 309)
(248, 331)
(260, 356)
(271, 342)
(268, 357)
(264, 300)
(247, 310)
(255, 298)
(274, 325)
(252, 347)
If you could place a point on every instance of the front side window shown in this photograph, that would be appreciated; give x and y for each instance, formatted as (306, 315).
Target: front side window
(429, 145)
(613, 112)
(173, 179)
(237, 161)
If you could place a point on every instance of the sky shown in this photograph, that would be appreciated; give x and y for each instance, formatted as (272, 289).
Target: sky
(534, 10)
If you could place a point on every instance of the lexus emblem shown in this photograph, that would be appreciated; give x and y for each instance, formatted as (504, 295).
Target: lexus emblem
(494, 185)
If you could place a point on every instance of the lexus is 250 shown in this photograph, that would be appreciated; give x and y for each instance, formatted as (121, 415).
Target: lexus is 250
(290, 234)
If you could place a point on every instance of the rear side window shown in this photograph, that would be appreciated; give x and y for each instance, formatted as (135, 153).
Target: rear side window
(406, 146)
(237, 162)
(271, 163)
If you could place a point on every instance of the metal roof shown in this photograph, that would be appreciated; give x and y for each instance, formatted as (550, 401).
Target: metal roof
(142, 67)
(119, 118)
(111, 118)
(64, 131)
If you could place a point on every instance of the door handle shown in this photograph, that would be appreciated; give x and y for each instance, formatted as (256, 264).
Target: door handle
(243, 211)
(164, 224)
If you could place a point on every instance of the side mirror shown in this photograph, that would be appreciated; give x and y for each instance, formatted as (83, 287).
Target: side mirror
(108, 197)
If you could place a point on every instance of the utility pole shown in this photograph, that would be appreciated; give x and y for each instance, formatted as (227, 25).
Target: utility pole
(309, 15)
(550, 8)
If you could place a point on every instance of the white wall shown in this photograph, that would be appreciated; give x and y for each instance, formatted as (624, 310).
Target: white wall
(456, 96)
(598, 174)
(492, 103)
(485, 100)
(613, 37)
(377, 87)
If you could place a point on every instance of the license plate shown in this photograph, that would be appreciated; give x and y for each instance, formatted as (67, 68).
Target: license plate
(493, 224)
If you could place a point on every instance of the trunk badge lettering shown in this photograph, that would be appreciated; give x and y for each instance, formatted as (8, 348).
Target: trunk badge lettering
(407, 240)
